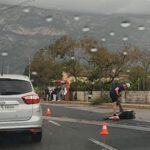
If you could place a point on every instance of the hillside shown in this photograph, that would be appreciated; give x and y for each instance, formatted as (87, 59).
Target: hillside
(25, 30)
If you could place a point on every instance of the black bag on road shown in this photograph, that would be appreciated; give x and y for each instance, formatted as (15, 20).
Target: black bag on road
(129, 114)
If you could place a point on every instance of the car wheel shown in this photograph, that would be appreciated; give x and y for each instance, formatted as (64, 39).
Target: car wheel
(36, 137)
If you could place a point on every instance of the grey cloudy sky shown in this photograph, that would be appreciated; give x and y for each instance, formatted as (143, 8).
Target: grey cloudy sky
(95, 6)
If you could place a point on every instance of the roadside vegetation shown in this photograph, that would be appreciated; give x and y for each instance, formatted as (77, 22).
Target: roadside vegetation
(90, 59)
(101, 100)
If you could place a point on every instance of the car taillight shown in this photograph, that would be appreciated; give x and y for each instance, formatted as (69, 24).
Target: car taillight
(31, 99)
(34, 130)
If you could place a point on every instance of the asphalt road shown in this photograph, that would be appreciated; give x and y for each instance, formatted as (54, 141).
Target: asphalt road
(74, 129)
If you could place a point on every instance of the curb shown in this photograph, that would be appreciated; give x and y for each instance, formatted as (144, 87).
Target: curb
(66, 102)
(105, 105)
(138, 106)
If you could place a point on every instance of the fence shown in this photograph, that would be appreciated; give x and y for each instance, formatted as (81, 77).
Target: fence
(141, 97)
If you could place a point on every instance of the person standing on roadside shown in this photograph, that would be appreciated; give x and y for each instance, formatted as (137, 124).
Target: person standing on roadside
(45, 93)
(115, 94)
(50, 93)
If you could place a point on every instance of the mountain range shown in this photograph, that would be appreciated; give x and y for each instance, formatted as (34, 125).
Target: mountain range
(24, 30)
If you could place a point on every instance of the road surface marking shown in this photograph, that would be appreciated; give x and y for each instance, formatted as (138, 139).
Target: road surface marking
(90, 109)
(140, 128)
(93, 122)
(55, 123)
(102, 144)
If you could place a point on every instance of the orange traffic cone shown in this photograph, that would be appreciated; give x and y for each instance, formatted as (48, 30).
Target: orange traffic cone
(104, 130)
(48, 112)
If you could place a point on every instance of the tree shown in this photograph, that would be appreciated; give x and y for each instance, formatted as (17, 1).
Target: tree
(74, 67)
(61, 48)
(46, 69)
(136, 77)
(106, 64)
(48, 62)
(87, 43)
(141, 59)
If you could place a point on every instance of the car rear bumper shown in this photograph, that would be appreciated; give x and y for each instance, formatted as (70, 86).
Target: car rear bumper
(34, 123)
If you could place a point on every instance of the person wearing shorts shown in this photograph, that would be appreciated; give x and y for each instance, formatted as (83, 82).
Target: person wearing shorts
(114, 95)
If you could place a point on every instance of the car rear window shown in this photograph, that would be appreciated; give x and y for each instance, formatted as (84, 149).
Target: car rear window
(13, 87)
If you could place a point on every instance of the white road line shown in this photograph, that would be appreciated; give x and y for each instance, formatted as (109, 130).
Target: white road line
(102, 144)
(110, 124)
(55, 123)
(132, 127)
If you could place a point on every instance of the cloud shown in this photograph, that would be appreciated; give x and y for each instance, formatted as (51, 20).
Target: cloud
(135, 6)
(95, 6)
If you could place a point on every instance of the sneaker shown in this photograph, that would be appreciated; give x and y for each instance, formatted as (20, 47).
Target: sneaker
(115, 114)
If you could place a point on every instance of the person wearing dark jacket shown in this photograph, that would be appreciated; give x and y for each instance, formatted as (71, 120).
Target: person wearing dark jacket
(115, 94)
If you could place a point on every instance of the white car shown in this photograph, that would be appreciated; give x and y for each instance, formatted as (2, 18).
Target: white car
(20, 108)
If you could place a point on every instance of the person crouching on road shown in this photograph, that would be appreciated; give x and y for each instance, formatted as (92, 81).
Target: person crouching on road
(115, 94)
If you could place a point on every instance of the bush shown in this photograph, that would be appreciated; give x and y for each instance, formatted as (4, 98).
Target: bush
(100, 100)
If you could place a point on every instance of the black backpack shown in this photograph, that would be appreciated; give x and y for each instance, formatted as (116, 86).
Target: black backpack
(129, 114)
